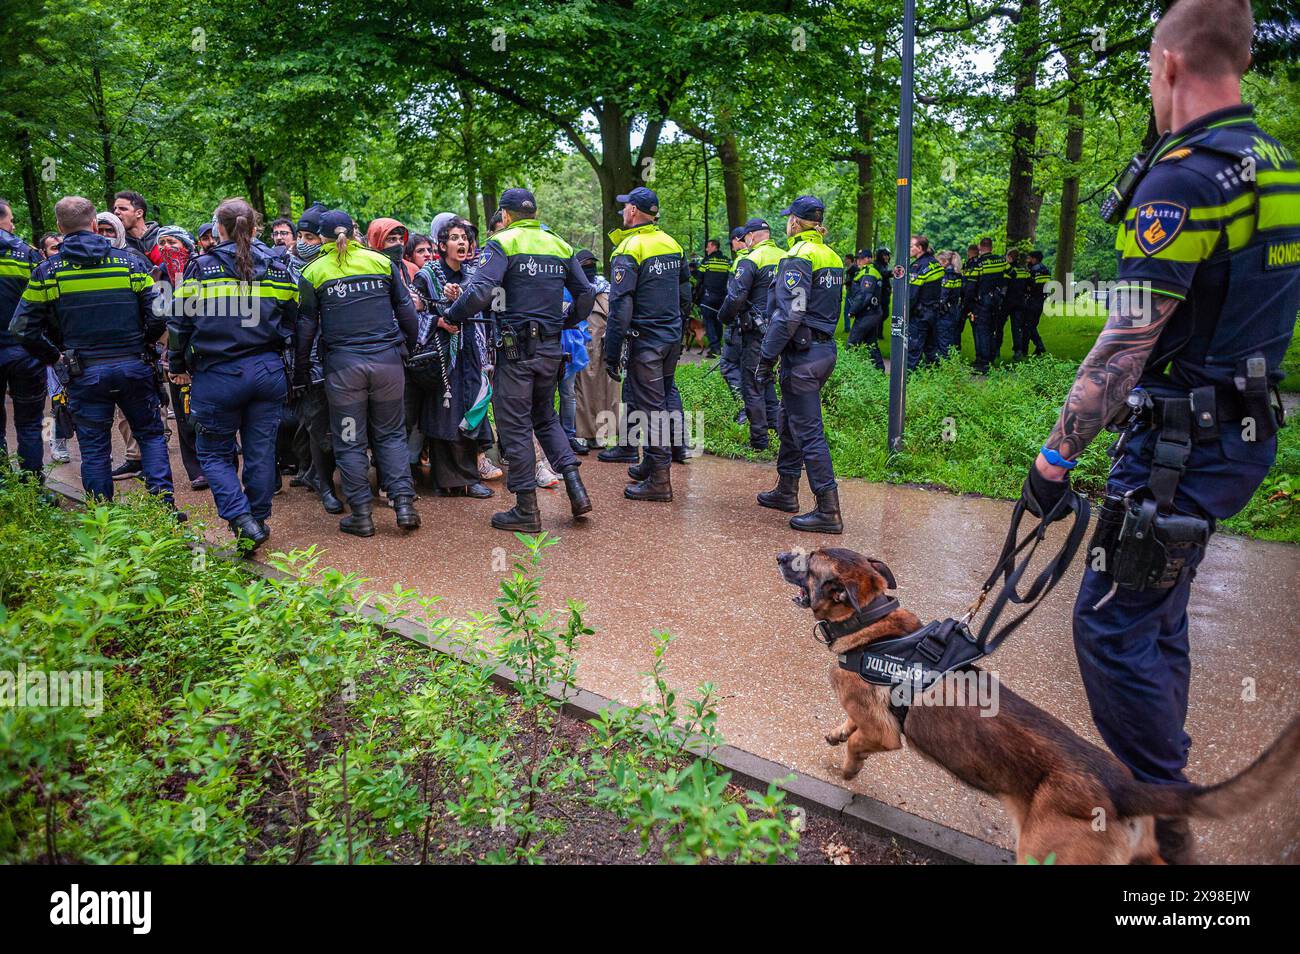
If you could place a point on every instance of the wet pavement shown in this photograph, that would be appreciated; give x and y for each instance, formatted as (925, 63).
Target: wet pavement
(703, 568)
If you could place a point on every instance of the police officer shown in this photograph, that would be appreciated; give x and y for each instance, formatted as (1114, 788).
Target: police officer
(1211, 261)
(806, 308)
(1017, 284)
(714, 270)
(317, 463)
(746, 309)
(950, 298)
(1035, 296)
(866, 306)
(21, 372)
(650, 291)
(988, 273)
(532, 267)
(881, 261)
(96, 305)
(923, 278)
(232, 323)
(732, 349)
(356, 303)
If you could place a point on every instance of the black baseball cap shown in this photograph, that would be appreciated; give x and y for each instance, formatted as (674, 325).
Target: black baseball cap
(643, 198)
(518, 200)
(864, 253)
(204, 229)
(806, 207)
(334, 220)
(738, 233)
(755, 225)
(309, 221)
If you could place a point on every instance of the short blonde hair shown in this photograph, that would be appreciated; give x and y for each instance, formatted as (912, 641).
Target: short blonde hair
(73, 213)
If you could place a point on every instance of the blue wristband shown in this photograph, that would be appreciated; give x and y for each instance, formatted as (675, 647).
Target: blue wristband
(1056, 460)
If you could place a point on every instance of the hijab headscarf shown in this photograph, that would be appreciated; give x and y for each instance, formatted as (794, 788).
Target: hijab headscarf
(119, 230)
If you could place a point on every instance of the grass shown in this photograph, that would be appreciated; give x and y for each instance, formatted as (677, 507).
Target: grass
(966, 434)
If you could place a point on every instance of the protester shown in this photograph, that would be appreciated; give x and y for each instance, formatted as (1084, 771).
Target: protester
(596, 395)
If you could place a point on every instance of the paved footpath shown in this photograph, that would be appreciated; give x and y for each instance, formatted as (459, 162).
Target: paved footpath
(704, 569)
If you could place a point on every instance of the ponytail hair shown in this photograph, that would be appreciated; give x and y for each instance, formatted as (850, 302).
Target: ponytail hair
(341, 236)
(240, 222)
(803, 225)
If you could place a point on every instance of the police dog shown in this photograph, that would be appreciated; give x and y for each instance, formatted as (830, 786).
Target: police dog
(1065, 795)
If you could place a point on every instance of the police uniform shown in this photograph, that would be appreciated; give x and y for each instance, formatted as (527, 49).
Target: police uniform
(532, 266)
(730, 367)
(923, 278)
(988, 273)
(807, 291)
(1226, 246)
(1018, 285)
(866, 305)
(359, 309)
(96, 305)
(649, 292)
(21, 373)
(950, 314)
(230, 334)
(1035, 296)
(747, 310)
(714, 272)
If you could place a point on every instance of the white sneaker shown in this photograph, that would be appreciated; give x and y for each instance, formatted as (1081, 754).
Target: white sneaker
(545, 476)
(486, 469)
(59, 450)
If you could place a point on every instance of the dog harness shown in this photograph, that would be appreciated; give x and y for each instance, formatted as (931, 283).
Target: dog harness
(910, 664)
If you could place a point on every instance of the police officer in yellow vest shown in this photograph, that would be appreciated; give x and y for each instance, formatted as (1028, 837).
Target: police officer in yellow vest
(520, 275)
(650, 292)
(1187, 366)
(807, 288)
(747, 310)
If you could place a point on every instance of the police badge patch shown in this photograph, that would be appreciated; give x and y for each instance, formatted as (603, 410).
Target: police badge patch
(791, 277)
(1157, 224)
(619, 272)
(483, 256)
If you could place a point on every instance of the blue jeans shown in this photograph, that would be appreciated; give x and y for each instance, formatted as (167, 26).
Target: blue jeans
(92, 396)
(569, 405)
(24, 377)
(244, 397)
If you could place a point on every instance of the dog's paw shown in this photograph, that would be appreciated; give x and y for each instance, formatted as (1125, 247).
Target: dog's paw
(834, 738)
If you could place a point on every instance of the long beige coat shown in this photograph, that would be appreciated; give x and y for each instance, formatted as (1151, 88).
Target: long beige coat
(594, 389)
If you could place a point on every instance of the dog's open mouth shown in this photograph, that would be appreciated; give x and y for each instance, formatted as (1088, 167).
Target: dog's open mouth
(796, 576)
(802, 600)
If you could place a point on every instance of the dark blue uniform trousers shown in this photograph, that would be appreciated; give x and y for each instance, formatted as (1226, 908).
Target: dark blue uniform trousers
(803, 439)
(712, 325)
(366, 395)
(92, 396)
(23, 376)
(732, 362)
(949, 329)
(652, 366)
(761, 405)
(1132, 652)
(987, 340)
(523, 404)
(243, 397)
(923, 336)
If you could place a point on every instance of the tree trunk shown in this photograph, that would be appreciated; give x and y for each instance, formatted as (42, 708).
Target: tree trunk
(105, 136)
(1022, 201)
(490, 195)
(31, 185)
(733, 181)
(616, 171)
(1069, 221)
(865, 160)
(253, 182)
(283, 202)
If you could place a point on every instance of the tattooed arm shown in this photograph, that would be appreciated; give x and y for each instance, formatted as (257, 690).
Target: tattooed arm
(1107, 375)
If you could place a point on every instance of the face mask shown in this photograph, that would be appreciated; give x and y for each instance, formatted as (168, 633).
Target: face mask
(394, 253)
(306, 251)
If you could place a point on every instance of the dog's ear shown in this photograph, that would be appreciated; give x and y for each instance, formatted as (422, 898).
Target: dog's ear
(832, 590)
(880, 567)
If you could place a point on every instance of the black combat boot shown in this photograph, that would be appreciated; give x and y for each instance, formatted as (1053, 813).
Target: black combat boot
(578, 499)
(407, 517)
(1177, 845)
(618, 454)
(641, 469)
(658, 486)
(246, 527)
(679, 454)
(328, 498)
(361, 522)
(825, 517)
(784, 496)
(523, 516)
